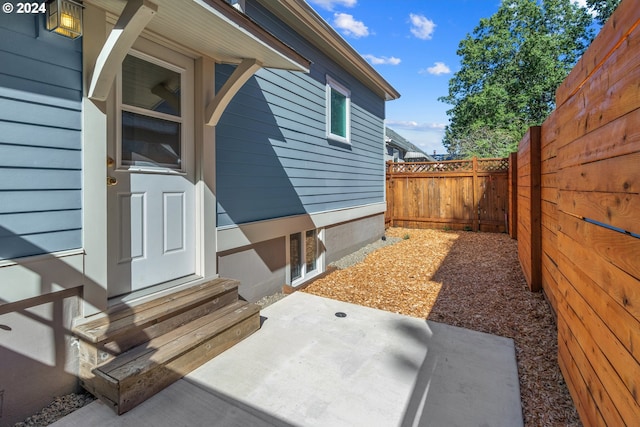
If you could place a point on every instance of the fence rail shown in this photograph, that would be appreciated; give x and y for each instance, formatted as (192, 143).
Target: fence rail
(482, 165)
(455, 194)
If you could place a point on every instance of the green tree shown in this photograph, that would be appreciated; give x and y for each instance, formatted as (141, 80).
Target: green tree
(603, 8)
(484, 142)
(511, 65)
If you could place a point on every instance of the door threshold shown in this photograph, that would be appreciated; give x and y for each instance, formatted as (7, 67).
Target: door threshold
(155, 291)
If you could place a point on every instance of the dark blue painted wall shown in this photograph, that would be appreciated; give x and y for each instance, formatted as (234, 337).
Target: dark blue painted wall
(40, 138)
(273, 156)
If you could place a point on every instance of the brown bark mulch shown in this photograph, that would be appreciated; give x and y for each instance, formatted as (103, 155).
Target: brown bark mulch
(470, 280)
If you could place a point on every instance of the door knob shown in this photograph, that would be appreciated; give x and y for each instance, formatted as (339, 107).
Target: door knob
(111, 181)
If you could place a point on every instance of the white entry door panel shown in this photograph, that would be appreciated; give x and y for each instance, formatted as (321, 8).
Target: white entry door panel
(151, 194)
(155, 231)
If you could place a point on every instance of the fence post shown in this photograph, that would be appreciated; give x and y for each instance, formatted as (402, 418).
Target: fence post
(476, 216)
(388, 216)
(536, 208)
(529, 196)
(513, 196)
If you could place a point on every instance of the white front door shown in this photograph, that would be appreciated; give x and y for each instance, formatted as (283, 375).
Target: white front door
(151, 195)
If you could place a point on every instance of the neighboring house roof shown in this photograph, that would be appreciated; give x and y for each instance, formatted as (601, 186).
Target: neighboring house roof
(397, 140)
(417, 156)
(411, 151)
(307, 22)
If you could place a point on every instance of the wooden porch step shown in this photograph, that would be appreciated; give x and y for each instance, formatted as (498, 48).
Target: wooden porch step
(138, 317)
(155, 345)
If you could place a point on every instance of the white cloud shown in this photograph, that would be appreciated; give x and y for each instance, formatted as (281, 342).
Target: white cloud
(421, 26)
(427, 136)
(331, 4)
(349, 26)
(437, 69)
(412, 125)
(378, 60)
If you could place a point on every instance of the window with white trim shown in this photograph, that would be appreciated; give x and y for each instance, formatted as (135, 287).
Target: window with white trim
(338, 111)
(305, 256)
(150, 113)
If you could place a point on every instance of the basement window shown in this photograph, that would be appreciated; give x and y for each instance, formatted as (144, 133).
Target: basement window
(304, 255)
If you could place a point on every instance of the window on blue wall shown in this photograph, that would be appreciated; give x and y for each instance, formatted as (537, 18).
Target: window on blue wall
(338, 111)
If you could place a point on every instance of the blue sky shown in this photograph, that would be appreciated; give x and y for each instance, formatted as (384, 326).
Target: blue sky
(412, 44)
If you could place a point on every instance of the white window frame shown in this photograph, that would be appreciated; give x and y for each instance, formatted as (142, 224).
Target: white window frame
(120, 107)
(333, 84)
(306, 275)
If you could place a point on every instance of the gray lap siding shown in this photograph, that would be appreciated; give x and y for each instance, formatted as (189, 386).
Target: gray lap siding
(40, 139)
(273, 155)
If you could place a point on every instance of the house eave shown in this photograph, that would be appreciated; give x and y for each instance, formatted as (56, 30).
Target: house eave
(307, 22)
(217, 30)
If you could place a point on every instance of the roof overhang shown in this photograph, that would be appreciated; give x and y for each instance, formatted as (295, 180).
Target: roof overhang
(215, 29)
(306, 21)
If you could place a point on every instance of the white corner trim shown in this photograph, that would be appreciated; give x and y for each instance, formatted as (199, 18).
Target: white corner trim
(134, 18)
(237, 236)
(239, 77)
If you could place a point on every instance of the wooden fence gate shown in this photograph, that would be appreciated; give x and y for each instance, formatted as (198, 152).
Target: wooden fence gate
(458, 194)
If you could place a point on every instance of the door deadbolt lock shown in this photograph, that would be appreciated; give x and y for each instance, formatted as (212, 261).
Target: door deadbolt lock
(110, 162)
(111, 181)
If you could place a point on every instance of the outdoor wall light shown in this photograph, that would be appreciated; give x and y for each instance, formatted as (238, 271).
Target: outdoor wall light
(65, 17)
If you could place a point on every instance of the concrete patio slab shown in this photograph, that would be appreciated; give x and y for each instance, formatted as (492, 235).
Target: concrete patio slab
(308, 367)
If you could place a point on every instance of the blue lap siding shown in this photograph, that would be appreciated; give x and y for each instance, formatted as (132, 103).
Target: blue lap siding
(273, 156)
(40, 139)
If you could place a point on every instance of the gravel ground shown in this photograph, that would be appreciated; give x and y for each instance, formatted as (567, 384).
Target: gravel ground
(359, 255)
(57, 409)
(270, 299)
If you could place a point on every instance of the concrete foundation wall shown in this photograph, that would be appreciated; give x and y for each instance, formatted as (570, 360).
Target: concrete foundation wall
(345, 238)
(38, 358)
(260, 268)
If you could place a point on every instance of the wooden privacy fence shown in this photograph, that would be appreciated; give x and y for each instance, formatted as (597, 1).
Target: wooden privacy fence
(578, 226)
(457, 194)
